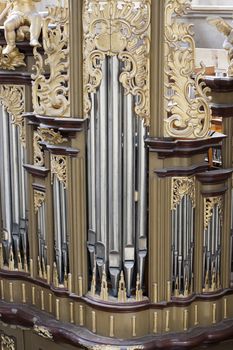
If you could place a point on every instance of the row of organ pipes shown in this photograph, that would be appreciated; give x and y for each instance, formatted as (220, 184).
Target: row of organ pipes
(212, 252)
(182, 247)
(117, 193)
(13, 195)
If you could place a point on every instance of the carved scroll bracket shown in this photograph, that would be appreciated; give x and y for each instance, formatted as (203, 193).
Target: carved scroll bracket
(182, 186)
(12, 99)
(188, 111)
(11, 61)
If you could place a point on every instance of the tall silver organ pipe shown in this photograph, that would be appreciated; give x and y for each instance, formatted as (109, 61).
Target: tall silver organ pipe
(13, 190)
(182, 247)
(117, 184)
(60, 230)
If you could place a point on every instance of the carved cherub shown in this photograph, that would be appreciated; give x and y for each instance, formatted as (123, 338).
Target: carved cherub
(225, 28)
(21, 13)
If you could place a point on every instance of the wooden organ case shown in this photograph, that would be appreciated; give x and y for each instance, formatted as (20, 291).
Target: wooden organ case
(116, 222)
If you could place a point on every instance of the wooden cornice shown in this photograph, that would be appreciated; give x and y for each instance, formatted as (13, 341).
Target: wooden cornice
(213, 177)
(66, 126)
(219, 84)
(66, 333)
(15, 77)
(222, 110)
(169, 147)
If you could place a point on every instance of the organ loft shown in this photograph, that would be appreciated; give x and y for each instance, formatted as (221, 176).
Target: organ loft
(116, 192)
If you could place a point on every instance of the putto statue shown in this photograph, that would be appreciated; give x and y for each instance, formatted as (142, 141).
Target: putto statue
(227, 30)
(21, 13)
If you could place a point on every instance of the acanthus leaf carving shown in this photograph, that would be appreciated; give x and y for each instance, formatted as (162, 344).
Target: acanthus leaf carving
(12, 99)
(7, 343)
(188, 111)
(51, 92)
(182, 186)
(59, 168)
(209, 204)
(121, 29)
(39, 199)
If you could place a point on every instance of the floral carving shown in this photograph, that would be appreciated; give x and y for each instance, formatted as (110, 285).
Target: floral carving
(7, 343)
(39, 198)
(182, 186)
(209, 204)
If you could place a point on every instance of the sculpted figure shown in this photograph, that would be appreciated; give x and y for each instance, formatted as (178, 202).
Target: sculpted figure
(21, 13)
(225, 28)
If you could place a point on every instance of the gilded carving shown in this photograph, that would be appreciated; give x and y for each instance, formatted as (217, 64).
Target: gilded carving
(7, 343)
(50, 90)
(120, 28)
(12, 99)
(38, 153)
(188, 111)
(182, 186)
(209, 204)
(14, 60)
(59, 167)
(43, 332)
(45, 135)
(39, 198)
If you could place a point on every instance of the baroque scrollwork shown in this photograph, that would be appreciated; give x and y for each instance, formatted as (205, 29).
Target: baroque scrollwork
(11, 61)
(59, 168)
(188, 111)
(39, 199)
(51, 79)
(7, 343)
(182, 186)
(119, 28)
(45, 135)
(12, 98)
(43, 332)
(209, 204)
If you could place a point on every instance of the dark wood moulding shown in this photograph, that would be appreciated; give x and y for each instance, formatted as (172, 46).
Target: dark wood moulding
(219, 84)
(222, 110)
(15, 78)
(60, 150)
(66, 126)
(29, 317)
(170, 147)
(36, 171)
(182, 171)
(214, 176)
(111, 306)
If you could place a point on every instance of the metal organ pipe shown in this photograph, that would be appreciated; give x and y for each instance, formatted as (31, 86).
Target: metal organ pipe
(114, 173)
(101, 172)
(117, 181)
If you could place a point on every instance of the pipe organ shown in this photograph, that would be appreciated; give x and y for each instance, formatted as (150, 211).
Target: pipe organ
(115, 183)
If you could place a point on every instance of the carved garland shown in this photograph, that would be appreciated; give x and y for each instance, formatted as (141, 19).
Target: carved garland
(12, 99)
(43, 332)
(7, 343)
(119, 28)
(13, 60)
(188, 111)
(209, 204)
(59, 168)
(182, 186)
(39, 199)
(51, 95)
